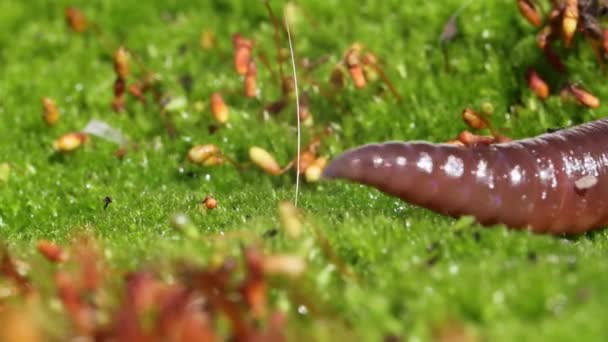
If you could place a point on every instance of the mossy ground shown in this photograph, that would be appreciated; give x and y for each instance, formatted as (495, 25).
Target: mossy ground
(414, 272)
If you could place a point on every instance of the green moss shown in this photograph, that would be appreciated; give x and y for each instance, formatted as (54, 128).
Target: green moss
(412, 270)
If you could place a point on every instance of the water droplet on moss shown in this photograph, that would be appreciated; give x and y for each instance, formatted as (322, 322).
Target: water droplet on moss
(302, 310)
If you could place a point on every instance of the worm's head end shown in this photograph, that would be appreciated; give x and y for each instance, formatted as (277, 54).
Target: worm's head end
(331, 171)
(349, 165)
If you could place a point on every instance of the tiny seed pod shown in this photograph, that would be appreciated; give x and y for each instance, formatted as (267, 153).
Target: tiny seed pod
(284, 264)
(51, 113)
(120, 153)
(213, 161)
(119, 87)
(320, 162)
(199, 106)
(275, 107)
(283, 55)
(357, 47)
(314, 171)
(201, 153)
(554, 59)
(288, 86)
(337, 77)
(293, 14)
(69, 295)
(290, 219)
(304, 108)
(584, 97)
(136, 91)
(570, 21)
(76, 19)
(150, 82)
(307, 158)
(370, 73)
(470, 139)
(543, 37)
(455, 142)
(253, 288)
(51, 251)
(499, 139)
(242, 53)
(450, 30)
(527, 9)
(118, 103)
(70, 141)
(473, 119)
(209, 202)
(355, 69)
(207, 39)
(566, 95)
(251, 89)
(369, 59)
(537, 84)
(121, 62)
(308, 121)
(370, 65)
(554, 15)
(487, 108)
(219, 109)
(264, 160)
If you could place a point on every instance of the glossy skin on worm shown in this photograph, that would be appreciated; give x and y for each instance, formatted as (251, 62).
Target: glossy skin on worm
(530, 183)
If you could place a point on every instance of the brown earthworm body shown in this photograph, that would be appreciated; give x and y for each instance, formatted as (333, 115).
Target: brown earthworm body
(554, 183)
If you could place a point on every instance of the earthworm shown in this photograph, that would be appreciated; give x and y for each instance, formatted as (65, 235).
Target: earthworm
(553, 183)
